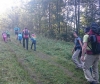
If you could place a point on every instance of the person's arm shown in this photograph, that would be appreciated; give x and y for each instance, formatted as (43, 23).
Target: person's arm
(84, 47)
(80, 43)
(73, 49)
(29, 34)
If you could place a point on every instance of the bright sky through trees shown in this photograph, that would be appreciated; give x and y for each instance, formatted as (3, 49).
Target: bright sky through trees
(6, 4)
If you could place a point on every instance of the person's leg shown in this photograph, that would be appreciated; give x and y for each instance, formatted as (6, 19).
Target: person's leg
(75, 59)
(16, 33)
(89, 60)
(35, 46)
(31, 45)
(4, 39)
(9, 38)
(20, 41)
(24, 42)
(95, 69)
(27, 43)
(79, 57)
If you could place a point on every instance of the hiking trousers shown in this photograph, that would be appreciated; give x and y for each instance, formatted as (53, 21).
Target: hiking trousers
(5, 39)
(91, 61)
(34, 42)
(76, 58)
(25, 43)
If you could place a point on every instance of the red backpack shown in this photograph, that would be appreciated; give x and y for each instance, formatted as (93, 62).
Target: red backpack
(94, 40)
(26, 33)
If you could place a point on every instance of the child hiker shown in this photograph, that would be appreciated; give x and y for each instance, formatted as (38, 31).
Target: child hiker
(8, 35)
(20, 37)
(33, 39)
(4, 36)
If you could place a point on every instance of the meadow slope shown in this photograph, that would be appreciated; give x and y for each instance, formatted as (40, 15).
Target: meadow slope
(50, 64)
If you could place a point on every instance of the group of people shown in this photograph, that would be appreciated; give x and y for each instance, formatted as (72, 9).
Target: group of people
(6, 36)
(25, 36)
(86, 53)
(22, 36)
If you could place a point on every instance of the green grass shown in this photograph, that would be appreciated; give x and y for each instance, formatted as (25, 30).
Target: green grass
(10, 71)
(50, 64)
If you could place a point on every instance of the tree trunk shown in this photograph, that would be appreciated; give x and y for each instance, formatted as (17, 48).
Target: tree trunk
(78, 22)
(49, 16)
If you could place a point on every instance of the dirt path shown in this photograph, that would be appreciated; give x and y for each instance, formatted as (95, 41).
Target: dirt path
(45, 57)
(51, 60)
(22, 63)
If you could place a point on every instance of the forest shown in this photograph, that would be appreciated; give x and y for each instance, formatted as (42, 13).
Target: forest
(52, 18)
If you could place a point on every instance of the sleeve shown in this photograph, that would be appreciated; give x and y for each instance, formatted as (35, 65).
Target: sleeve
(85, 38)
(79, 38)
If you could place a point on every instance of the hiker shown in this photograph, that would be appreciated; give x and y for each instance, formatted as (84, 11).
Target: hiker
(8, 35)
(20, 37)
(33, 39)
(90, 53)
(25, 35)
(16, 30)
(76, 51)
(4, 36)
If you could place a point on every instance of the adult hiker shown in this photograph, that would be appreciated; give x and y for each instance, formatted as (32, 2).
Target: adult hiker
(33, 39)
(90, 53)
(16, 30)
(76, 51)
(25, 35)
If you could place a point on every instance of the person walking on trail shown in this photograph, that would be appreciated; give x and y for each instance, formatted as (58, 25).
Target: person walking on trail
(90, 54)
(26, 35)
(4, 36)
(33, 39)
(16, 30)
(8, 35)
(20, 37)
(76, 51)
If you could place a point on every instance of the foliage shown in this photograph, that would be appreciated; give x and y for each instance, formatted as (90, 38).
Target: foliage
(52, 18)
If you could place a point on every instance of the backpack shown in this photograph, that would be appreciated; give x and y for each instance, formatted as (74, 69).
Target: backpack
(26, 33)
(16, 29)
(94, 39)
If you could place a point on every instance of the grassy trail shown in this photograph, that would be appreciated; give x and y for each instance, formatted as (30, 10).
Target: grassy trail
(19, 66)
(10, 71)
